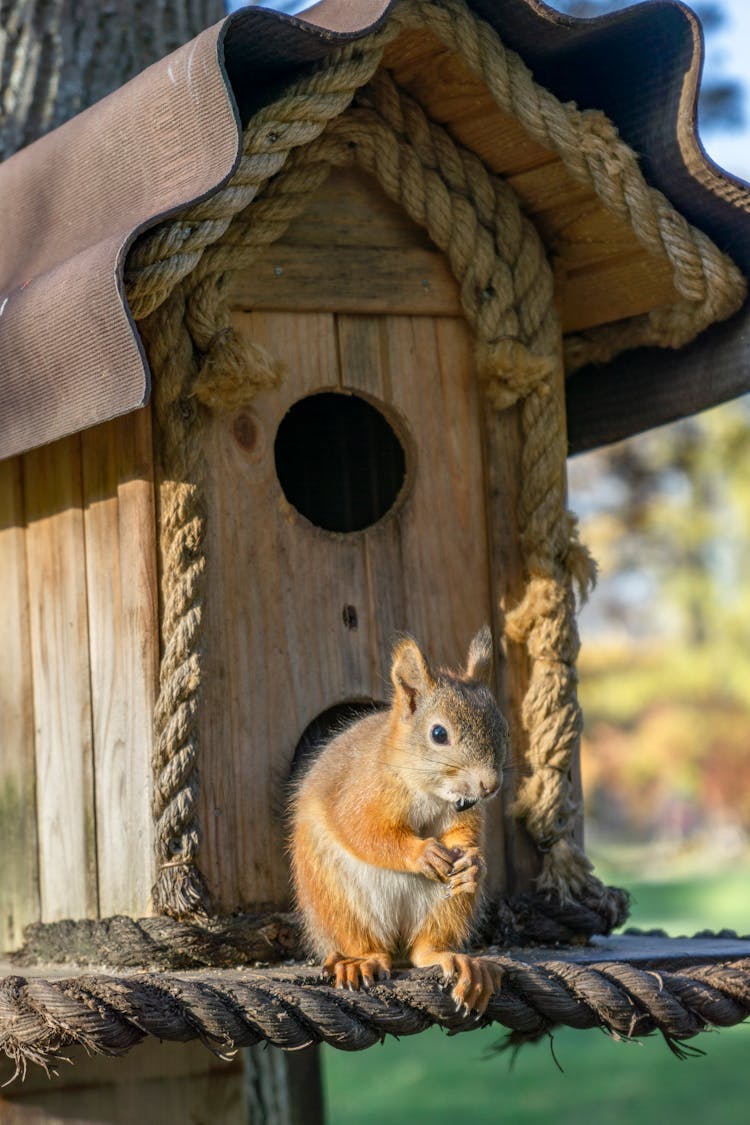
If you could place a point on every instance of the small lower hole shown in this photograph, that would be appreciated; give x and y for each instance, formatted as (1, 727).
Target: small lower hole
(326, 726)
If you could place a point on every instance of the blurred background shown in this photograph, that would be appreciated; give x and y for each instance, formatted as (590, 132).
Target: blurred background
(665, 688)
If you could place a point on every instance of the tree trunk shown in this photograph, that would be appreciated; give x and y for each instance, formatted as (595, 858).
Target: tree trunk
(56, 58)
(283, 1087)
(59, 56)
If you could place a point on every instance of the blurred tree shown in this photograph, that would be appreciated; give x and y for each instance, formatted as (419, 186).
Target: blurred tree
(668, 515)
(673, 506)
(59, 56)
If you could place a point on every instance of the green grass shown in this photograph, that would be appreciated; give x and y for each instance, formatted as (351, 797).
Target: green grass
(439, 1080)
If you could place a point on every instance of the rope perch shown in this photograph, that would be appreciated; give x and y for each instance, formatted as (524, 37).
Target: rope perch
(40, 1018)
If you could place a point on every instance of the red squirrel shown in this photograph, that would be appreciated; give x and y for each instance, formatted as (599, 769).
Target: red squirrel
(387, 828)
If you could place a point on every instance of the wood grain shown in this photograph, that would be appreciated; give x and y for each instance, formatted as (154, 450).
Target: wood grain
(121, 586)
(19, 872)
(349, 279)
(502, 439)
(153, 1084)
(61, 677)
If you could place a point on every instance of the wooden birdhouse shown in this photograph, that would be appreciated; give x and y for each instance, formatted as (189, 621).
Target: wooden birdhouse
(279, 393)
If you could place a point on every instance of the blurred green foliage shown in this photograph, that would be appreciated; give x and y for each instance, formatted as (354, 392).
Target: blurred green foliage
(665, 666)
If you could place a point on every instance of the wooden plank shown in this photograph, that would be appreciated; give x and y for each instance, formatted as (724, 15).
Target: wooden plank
(388, 264)
(349, 209)
(428, 564)
(602, 293)
(19, 873)
(348, 279)
(502, 439)
(277, 649)
(60, 663)
(154, 1083)
(121, 583)
(434, 552)
(358, 237)
(177, 1082)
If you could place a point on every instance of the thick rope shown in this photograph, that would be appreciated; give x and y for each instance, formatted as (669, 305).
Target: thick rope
(184, 380)
(164, 943)
(173, 249)
(40, 1019)
(710, 286)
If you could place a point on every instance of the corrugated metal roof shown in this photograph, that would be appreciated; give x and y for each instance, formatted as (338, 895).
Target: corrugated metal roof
(72, 203)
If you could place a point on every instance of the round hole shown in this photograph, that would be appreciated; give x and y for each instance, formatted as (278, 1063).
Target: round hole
(339, 461)
(325, 726)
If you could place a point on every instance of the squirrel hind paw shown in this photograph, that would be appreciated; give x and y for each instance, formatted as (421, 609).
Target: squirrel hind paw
(474, 981)
(354, 973)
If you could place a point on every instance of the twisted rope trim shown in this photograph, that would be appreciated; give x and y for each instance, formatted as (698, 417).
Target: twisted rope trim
(161, 942)
(291, 1009)
(710, 286)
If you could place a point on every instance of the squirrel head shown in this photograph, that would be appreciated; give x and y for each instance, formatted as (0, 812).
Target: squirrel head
(450, 735)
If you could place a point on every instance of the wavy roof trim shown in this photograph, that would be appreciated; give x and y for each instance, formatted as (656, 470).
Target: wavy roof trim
(69, 353)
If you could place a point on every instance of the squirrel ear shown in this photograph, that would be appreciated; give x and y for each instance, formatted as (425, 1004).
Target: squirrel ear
(479, 660)
(410, 673)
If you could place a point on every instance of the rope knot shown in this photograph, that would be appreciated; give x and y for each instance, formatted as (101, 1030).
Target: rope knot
(510, 371)
(233, 371)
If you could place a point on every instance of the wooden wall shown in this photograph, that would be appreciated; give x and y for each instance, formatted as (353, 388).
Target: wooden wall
(78, 614)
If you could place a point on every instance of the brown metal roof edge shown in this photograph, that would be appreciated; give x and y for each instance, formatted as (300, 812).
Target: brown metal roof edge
(641, 65)
(73, 203)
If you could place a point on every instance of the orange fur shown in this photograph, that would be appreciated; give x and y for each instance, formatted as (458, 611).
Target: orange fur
(386, 858)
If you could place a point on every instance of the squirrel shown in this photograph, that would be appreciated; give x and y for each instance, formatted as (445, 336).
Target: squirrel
(387, 823)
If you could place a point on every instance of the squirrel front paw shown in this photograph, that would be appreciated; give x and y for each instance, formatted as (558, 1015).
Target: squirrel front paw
(466, 872)
(435, 861)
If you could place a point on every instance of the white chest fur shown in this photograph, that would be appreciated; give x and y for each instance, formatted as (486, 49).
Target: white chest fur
(394, 904)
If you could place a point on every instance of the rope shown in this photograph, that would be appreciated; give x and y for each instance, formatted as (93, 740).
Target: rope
(183, 382)
(173, 249)
(710, 286)
(161, 942)
(40, 1018)
(176, 275)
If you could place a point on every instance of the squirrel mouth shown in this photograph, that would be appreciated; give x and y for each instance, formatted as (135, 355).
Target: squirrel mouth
(464, 803)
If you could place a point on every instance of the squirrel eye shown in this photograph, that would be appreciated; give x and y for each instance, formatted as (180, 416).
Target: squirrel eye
(439, 734)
